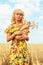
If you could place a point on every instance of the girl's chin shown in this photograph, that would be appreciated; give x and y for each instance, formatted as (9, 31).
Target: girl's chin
(19, 19)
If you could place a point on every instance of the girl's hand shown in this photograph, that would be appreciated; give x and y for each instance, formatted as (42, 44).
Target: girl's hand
(22, 37)
(26, 26)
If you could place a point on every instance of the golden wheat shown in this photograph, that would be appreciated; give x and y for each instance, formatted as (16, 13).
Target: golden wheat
(35, 53)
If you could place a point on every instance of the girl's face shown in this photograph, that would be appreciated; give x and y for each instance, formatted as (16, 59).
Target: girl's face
(18, 15)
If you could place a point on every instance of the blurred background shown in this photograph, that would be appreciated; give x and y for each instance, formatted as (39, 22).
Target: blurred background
(33, 10)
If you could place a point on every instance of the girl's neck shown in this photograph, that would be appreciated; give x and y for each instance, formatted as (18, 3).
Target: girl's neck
(17, 22)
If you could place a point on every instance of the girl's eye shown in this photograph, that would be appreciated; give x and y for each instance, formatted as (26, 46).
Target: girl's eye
(21, 14)
(17, 14)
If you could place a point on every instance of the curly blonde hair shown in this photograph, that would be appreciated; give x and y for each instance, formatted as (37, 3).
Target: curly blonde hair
(13, 15)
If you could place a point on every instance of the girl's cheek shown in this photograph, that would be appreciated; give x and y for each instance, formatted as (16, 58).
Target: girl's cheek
(21, 16)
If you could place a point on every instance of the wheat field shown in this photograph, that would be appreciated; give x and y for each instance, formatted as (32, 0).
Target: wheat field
(35, 54)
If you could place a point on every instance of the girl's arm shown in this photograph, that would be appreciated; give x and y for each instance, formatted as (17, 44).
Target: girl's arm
(22, 37)
(11, 36)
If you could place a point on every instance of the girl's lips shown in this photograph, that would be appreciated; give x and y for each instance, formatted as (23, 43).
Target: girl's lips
(18, 17)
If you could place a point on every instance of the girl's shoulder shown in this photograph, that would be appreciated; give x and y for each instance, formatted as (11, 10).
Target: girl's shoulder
(8, 28)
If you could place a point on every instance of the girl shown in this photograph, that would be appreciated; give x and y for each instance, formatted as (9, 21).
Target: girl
(18, 33)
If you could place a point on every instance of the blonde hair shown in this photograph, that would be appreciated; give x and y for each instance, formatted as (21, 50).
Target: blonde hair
(13, 15)
(13, 20)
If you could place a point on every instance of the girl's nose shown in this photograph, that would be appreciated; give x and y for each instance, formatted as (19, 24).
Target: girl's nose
(18, 15)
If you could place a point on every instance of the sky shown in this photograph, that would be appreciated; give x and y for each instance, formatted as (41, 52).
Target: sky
(33, 10)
